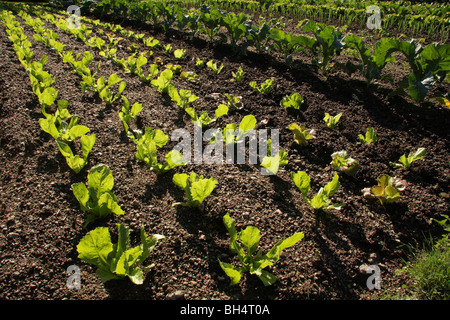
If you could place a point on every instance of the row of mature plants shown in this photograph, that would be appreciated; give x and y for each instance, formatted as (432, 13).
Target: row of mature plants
(100, 201)
(428, 65)
(432, 19)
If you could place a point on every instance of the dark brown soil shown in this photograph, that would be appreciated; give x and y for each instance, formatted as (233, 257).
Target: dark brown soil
(41, 221)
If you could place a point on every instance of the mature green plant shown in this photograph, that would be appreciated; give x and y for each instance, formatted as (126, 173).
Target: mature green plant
(406, 161)
(342, 162)
(321, 200)
(98, 200)
(245, 245)
(328, 43)
(258, 36)
(117, 261)
(372, 63)
(428, 65)
(211, 20)
(196, 188)
(387, 190)
(287, 44)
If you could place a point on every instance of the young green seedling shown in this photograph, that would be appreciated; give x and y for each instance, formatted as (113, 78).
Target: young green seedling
(162, 83)
(265, 88)
(104, 89)
(147, 151)
(196, 188)
(233, 134)
(213, 66)
(245, 245)
(74, 161)
(233, 101)
(199, 63)
(405, 162)
(238, 75)
(370, 137)
(203, 119)
(387, 190)
(342, 162)
(117, 261)
(60, 127)
(321, 201)
(293, 101)
(179, 53)
(98, 200)
(331, 121)
(182, 98)
(128, 113)
(301, 134)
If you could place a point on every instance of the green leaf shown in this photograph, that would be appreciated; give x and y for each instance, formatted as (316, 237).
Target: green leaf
(275, 251)
(233, 273)
(82, 194)
(247, 124)
(95, 247)
(181, 180)
(48, 125)
(202, 188)
(250, 237)
(221, 110)
(87, 143)
(302, 181)
(267, 278)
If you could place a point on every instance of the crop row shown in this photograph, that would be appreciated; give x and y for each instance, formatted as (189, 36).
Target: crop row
(432, 19)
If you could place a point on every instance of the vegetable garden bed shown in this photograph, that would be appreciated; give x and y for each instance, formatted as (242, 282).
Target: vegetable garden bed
(42, 222)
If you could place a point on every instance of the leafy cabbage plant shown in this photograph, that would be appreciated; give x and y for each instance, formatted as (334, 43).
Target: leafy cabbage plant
(98, 200)
(147, 144)
(387, 190)
(301, 134)
(342, 162)
(117, 260)
(321, 200)
(196, 188)
(245, 245)
(294, 101)
(406, 161)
